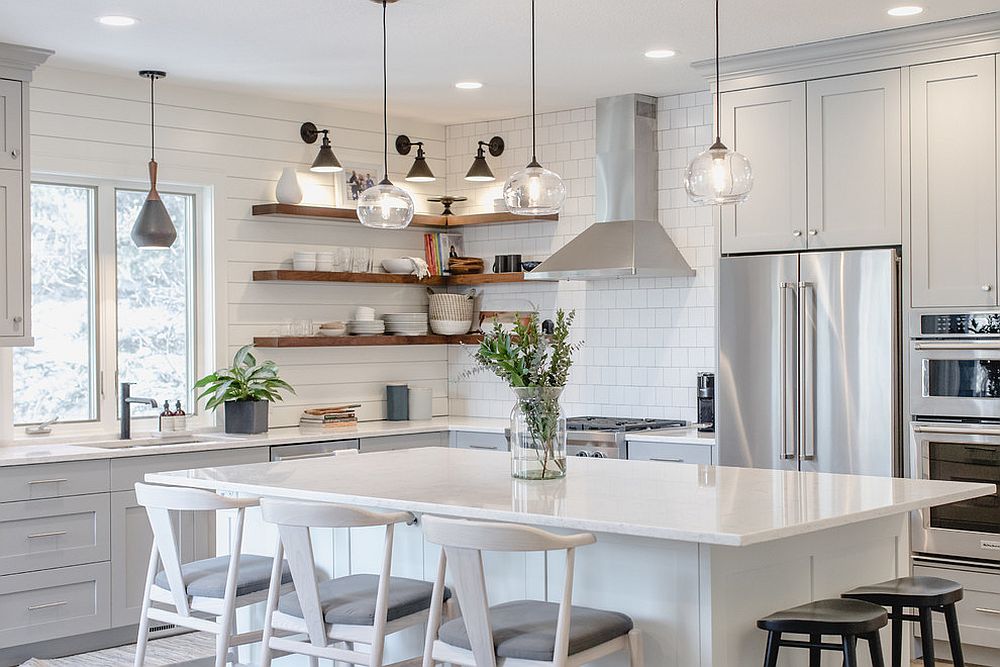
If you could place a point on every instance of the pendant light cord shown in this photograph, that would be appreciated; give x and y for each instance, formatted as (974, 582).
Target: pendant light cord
(534, 156)
(385, 96)
(718, 90)
(152, 120)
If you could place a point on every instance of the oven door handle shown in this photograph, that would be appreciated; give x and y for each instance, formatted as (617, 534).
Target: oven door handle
(957, 345)
(956, 430)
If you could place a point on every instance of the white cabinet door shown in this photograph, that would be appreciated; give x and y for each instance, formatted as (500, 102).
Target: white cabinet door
(768, 126)
(854, 161)
(953, 135)
(13, 246)
(11, 151)
(387, 443)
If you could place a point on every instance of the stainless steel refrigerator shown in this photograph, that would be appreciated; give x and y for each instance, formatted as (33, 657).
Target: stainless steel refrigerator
(809, 362)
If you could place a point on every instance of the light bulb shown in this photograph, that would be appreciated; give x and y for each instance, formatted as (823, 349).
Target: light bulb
(720, 175)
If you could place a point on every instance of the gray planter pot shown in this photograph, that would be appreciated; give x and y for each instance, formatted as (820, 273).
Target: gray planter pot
(246, 416)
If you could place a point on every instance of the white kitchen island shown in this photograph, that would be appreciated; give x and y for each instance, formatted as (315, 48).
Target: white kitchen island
(694, 553)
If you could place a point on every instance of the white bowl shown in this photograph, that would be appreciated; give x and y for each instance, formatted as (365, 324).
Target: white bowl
(405, 317)
(450, 327)
(332, 332)
(364, 314)
(398, 265)
(304, 264)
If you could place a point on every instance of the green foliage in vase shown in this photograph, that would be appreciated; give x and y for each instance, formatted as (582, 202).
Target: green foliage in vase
(245, 380)
(525, 357)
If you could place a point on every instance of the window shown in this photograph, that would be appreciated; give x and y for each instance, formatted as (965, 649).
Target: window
(103, 310)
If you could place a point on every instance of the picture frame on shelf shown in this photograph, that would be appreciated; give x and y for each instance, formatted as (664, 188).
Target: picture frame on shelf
(353, 180)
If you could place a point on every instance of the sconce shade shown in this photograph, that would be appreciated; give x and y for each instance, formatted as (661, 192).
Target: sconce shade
(480, 170)
(326, 161)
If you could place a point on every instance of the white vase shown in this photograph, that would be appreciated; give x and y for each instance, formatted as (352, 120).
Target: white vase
(288, 190)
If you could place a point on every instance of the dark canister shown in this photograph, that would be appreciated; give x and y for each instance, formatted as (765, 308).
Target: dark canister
(706, 402)
(397, 402)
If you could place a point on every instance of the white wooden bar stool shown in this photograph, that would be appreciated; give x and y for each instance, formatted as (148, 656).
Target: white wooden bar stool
(329, 617)
(523, 633)
(214, 587)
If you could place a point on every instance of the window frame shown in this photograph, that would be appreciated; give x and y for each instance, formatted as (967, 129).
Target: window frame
(104, 300)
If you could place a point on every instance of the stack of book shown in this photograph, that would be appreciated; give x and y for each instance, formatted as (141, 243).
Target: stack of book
(438, 248)
(337, 416)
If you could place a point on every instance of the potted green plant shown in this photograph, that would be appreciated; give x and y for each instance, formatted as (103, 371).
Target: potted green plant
(535, 364)
(245, 388)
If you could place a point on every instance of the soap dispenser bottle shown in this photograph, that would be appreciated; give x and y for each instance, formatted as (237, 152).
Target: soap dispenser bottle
(180, 417)
(166, 418)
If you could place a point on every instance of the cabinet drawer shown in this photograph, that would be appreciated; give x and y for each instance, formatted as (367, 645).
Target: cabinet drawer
(68, 601)
(126, 472)
(669, 452)
(52, 480)
(978, 611)
(43, 534)
(389, 442)
(493, 441)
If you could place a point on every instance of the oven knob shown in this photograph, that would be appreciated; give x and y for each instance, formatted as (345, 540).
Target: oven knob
(583, 454)
(599, 455)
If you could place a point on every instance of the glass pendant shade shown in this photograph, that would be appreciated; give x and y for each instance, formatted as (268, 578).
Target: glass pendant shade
(718, 176)
(420, 172)
(326, 162)
(534, 190)
(385, 206)
(480, 171)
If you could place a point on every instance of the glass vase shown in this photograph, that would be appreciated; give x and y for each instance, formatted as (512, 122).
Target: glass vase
(537, 434)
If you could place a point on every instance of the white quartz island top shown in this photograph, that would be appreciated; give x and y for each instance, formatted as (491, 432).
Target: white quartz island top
(683, 502)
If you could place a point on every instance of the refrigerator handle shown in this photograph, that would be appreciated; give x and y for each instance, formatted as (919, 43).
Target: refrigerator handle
(806, 420)
(783, 288)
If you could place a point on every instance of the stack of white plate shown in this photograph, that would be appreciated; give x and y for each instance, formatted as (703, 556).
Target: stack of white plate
(366, 327)
(406, 324)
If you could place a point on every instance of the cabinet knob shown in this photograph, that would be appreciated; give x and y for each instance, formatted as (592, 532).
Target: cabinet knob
(14, 153)
(987, 288)
(813, 232)
(17, 319)
(797, 233)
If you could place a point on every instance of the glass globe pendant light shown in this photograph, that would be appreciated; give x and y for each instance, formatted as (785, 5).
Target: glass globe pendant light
(718, 175)
(385, 206)
(534, 190)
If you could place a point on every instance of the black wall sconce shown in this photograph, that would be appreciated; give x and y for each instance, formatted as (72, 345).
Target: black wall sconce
(420, 172)
(480, 171)
(325, 161)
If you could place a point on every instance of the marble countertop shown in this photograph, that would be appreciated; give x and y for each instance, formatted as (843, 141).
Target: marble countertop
(688, 435)
(674, 501)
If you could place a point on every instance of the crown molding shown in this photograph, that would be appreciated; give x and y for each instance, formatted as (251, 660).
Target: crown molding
(18, 62)
(898, 47)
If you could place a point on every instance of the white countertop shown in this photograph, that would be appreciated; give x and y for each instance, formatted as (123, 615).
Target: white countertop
(691, 503)
(688, 435)
(53, 449)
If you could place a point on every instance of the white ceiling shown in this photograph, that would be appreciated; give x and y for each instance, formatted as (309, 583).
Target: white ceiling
(329, 50)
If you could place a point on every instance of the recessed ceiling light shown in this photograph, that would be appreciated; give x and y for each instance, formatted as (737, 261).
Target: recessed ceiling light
(661, 53)
(468, 85)
(905, 10)
(116, 20)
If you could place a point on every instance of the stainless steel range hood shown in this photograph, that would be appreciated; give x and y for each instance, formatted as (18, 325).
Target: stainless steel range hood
(627, 240)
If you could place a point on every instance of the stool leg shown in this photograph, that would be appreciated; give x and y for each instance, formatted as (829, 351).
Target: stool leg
(954, 640)
(897, 637)
(875, 649)
(773, 643)
(815, 654)
(927, 636)
(850, 651)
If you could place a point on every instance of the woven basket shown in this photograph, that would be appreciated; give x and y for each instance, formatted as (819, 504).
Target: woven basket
(453, 307)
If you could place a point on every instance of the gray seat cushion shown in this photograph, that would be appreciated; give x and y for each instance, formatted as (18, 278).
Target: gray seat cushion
(207, 578)
(351, 600)
(526, 629)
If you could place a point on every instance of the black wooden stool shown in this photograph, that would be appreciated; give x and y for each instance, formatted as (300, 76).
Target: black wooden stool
(925, 594)
(849, 619)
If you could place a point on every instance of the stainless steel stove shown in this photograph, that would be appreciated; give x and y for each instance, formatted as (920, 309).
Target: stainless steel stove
(604, 437)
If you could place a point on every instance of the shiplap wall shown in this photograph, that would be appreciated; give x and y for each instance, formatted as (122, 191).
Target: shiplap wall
(645, 339)
(86, 124)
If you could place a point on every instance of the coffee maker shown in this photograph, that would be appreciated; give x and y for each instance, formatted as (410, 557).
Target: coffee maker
(706, 402)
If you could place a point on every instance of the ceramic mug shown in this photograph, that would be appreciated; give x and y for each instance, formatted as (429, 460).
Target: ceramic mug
(506, 263)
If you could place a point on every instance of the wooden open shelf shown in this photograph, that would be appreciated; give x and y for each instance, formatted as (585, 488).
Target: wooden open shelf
(283, 275)
(357, 341)
(419, 220)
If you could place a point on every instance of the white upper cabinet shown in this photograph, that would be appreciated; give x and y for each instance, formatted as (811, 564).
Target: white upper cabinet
(953, 130)
(854, 149)
(768, 125)
(11, 150)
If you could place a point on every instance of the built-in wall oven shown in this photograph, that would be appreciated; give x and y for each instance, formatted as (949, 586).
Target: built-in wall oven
(955, 430)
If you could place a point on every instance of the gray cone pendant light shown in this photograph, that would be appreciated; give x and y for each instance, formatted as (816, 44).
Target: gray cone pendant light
(153, 228)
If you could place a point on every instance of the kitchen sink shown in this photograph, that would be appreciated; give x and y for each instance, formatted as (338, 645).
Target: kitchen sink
(137, 443)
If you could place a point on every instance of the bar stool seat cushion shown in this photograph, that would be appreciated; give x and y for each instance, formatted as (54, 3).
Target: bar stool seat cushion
(207, 578)
(350, 600)
(526, 629)
(829, 617)
(910, 592)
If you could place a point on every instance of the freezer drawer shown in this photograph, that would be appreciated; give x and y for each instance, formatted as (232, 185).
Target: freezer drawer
(978, 611)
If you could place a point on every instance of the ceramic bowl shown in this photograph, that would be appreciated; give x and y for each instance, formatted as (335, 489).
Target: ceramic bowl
(529, 266)
(450, 327)
(332, 332)
(398, 265)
